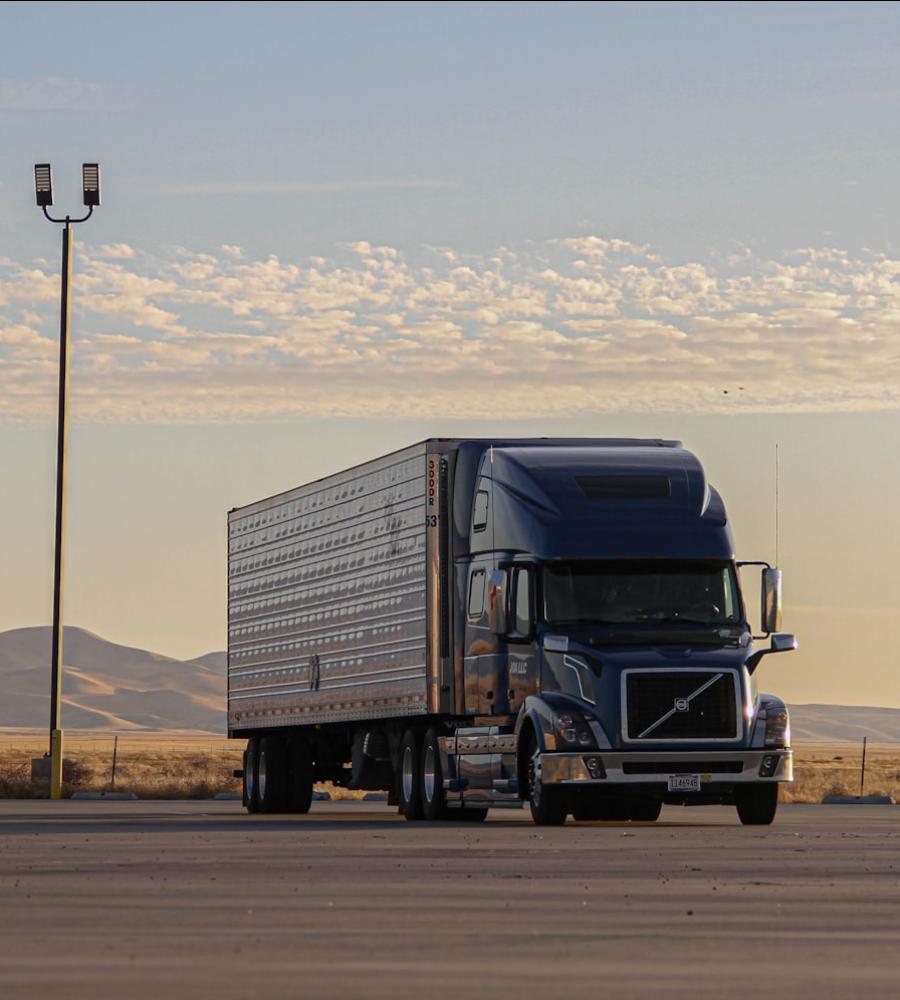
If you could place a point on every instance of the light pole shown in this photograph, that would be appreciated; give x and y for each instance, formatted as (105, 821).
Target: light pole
(43, 190)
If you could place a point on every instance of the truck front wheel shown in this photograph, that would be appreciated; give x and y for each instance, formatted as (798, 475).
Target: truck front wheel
(548, 806)
(646, 810)
(756, 804)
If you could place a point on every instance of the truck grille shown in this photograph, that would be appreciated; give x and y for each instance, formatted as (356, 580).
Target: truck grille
(681, 705)
(681, 766)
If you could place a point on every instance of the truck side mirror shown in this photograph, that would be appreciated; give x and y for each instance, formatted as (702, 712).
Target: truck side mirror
(498, 617)
(781, 642)
(770, 615)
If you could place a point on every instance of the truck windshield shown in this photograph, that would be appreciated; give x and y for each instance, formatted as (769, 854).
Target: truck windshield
(633, 591)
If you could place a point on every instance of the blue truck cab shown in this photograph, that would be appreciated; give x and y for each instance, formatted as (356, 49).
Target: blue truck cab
(603, 659)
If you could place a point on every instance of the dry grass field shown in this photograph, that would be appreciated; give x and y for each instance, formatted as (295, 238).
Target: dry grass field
(822, 769)
(152, 765)
(188, 766)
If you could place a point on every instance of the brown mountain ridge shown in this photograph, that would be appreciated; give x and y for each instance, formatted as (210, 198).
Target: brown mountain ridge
(108, 686)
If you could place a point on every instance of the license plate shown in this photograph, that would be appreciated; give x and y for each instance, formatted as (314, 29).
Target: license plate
(684, 782)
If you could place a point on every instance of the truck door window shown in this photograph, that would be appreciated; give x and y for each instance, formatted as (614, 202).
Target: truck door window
(476, 593)
(522, 602)
(479, 518)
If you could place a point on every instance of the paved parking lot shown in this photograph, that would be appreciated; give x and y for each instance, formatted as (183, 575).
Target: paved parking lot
(166, 900)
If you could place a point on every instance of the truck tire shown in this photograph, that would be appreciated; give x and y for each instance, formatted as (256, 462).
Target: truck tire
(587, 811)
(271, 774)
(300, 776)
(646, 810)
(548, 804)
(757, 804)
(250, 799)
(434, 801)
(409, 776)
(616, 811)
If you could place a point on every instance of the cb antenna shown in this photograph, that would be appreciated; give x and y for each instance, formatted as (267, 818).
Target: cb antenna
(777, 498)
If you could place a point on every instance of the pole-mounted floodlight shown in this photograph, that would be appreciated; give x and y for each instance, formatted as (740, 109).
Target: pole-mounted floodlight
(90, 182)
(43, 190)
(43, 185)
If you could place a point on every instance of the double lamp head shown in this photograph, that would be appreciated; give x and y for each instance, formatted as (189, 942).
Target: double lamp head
(90, 183)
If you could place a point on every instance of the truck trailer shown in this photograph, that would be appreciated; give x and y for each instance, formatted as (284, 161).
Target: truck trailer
(473, 624)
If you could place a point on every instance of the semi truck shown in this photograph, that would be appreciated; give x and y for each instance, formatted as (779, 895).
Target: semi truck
(472, 624)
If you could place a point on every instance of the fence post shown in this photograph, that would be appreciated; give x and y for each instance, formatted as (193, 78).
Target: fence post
(862, 770)
(115, 754)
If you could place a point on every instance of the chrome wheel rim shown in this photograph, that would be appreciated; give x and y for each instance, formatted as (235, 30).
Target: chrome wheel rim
(248, 777)
(534, 778)
(428, 775)
(407, 773)
(261, 776)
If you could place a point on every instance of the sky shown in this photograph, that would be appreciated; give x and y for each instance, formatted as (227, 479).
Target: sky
(332, 230)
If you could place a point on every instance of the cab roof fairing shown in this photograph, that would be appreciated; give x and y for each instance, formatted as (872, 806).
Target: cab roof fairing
(540, 509)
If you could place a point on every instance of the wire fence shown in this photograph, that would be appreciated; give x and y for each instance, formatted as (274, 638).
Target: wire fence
(94, 742)
(182, 765)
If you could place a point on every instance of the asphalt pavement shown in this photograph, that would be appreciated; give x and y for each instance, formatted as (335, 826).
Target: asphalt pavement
(170, 900)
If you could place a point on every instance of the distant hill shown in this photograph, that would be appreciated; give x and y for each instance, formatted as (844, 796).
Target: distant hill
(844, 723)
(108, 686)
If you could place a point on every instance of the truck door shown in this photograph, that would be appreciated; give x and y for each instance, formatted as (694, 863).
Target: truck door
(481, 645)
(482, 648)
(523, 655)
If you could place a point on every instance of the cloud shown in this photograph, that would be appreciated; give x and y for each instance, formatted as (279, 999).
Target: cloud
(564, 327)
(309, 187)
(114, 251)
(54, 93)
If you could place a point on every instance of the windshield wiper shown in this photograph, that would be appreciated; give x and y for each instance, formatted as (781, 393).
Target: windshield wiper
(584, 621)
(679, 620)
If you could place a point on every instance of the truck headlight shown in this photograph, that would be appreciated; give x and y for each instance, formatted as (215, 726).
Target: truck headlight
(573, 731)
(778, 728)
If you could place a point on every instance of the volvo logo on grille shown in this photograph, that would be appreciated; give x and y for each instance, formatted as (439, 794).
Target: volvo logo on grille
(682, 704)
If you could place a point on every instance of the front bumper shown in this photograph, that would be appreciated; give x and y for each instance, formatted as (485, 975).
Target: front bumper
(716, 768)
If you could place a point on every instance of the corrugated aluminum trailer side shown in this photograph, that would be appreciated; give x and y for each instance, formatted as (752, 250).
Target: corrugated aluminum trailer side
(329, 597)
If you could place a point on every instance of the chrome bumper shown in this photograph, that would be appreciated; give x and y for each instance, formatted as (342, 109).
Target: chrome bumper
(571, 768)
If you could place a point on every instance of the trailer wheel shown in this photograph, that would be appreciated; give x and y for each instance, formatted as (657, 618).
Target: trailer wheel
(250, 798)
(271, 775)
(409, 776)
(434, 801)
(646, 810)
(548, 804)
(757, 804)
(300, 776)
